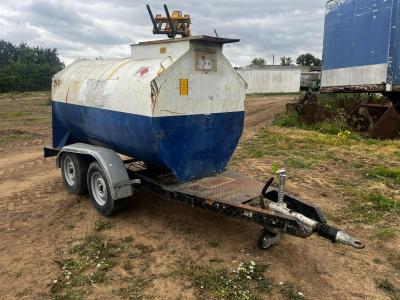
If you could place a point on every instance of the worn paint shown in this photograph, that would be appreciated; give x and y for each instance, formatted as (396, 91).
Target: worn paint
(360, 43)
(130, 106)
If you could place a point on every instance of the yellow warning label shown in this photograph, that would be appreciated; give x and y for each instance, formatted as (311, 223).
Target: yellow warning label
(163, 50)
(184, 86)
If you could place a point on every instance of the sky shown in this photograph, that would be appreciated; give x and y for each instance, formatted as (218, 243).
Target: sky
(106, 28)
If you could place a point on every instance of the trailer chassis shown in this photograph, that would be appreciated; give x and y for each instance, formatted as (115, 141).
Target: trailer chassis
(228, 193)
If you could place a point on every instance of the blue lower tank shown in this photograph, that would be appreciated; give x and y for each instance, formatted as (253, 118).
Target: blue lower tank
(189, 146)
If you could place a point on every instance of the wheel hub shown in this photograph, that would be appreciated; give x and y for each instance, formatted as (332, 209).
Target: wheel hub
(99, 188)
(69, 171)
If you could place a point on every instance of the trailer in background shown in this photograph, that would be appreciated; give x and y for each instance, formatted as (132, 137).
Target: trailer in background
(362, 55)
(361, 43)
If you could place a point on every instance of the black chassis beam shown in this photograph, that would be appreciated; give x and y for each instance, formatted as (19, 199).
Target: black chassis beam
(264, 217)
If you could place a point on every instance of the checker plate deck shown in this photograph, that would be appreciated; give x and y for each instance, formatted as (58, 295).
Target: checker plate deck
(228, 187)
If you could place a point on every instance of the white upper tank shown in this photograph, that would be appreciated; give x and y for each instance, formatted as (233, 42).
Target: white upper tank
(161, 78)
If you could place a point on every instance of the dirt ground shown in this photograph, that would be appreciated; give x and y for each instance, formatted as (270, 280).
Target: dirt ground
(39, 221)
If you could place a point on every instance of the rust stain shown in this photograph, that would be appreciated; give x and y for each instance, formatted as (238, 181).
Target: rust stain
(66, 96)
(209, 202)
(155, 90)
(56, 83)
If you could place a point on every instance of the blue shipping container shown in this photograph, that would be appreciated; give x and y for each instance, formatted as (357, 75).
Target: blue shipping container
(361, 46)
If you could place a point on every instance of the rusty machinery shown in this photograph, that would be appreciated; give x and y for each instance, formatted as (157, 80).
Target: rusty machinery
(381, 119)
(171, 25)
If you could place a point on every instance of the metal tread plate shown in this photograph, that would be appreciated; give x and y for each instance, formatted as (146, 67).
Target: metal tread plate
(228, 187)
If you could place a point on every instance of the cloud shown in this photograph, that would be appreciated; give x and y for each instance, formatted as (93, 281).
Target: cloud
(106, 28)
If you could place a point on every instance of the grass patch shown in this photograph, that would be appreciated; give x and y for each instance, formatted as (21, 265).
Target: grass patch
(91, 259)
(299, 164)
(371, 208)
(14, 114)
(290, 292)
(384, 172)
(97, 260)
(246, 282)
(135, 287)
(385, 233)
(102, 224)
(291, 120)
(304, 148)
(11, 135)
(389, 288)
(394, 260)
(47, 102)
(17, 137)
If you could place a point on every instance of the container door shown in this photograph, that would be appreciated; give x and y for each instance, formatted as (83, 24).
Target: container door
(393, 77)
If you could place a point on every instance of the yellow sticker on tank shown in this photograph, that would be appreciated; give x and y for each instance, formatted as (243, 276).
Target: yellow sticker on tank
(184, 86)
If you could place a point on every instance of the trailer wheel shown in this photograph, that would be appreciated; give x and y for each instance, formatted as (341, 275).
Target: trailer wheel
(73, 170)
(267, 238)
(99, 191)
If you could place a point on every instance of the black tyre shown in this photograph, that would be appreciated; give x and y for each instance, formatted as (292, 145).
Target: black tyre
(73, 170)
(99, 191)
(267, 238)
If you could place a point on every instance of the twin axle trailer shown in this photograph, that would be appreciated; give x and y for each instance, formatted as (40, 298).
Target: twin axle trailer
(112, 181)
(175, 109)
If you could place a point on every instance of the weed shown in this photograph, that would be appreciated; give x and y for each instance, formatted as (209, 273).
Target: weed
(213, 244)
(385, 233)
(290, 292)
(389, 288)
(394, 260)
(127, 239)
(70, 226)
(377, 261)
(135, 288)
(216, 260)
(102, 224)
(290, 119)
(384, 172)
(243, 283)
(357, 165)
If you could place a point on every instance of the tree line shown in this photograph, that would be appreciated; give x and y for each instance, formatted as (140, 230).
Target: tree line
(24, 68)
(305, 60)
